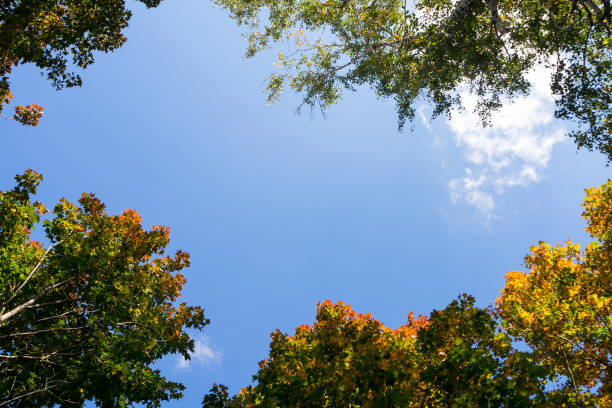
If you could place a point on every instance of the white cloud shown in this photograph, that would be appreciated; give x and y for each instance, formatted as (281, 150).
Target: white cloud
(203, 354)
(469, 188)
(513, 151)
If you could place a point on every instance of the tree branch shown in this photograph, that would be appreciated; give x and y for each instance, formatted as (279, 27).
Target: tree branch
(590, 4)
(25, 395)
(497, 23)
(30, 303)
(461, 9)
(45, 331)
(32, 272)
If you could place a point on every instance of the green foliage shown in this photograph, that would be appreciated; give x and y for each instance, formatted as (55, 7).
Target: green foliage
(429, 49)
(57, 35)
(85, 318)
(467, 361)
(217, 397)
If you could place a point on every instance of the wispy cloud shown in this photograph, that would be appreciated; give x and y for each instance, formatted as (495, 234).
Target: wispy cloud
(421, 112)
(513, 151)
(469, 189)
(203, 355)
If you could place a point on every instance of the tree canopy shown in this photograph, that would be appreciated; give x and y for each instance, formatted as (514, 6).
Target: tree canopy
(456, 357)
(461, 356)
(431, 49)
(86, 317)
(57, 36)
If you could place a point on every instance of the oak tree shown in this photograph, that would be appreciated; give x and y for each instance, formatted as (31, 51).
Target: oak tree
(85, 317)
(430, 49)
(58, 36)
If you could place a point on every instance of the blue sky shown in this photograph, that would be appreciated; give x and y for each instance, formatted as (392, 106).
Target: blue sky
(280, 210)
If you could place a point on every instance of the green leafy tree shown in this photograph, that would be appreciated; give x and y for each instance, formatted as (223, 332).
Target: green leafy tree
(57, 36)
(86, 317)
(430, 49)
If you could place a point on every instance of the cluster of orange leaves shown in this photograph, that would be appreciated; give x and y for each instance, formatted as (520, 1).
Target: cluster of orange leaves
(335, 350)
(28, 115)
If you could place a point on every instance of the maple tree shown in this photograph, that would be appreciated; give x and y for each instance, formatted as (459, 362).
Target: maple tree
(86, 317)
(431, 49)
(57, 35)
(462, 355)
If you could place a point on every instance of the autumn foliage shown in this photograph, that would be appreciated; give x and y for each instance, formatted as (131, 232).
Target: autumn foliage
(456, 357)
(28, 115)
(561, 307)
(462, 355)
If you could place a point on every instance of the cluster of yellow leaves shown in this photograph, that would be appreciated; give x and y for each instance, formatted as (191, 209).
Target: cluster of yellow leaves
(299, 35)
(562, 305)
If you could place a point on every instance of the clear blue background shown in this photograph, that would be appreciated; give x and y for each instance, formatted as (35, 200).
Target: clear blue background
(277, 210)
